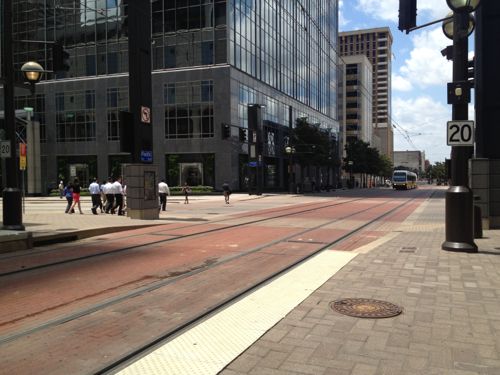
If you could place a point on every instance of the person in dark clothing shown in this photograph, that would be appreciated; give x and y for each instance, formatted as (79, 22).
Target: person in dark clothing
(186, 189)
(68, 193)
(226, 191)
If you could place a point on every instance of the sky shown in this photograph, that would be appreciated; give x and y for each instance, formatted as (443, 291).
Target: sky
(419, 72)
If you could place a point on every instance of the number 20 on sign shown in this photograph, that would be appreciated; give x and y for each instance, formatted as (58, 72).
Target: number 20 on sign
(460, 133)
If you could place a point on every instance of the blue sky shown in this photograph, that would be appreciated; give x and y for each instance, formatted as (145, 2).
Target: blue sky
(419, 72)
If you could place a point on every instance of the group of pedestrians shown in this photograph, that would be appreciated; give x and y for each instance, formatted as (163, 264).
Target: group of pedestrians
(107, 197)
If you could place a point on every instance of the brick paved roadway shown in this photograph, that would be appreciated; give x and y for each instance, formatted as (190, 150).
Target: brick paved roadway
(450, 324)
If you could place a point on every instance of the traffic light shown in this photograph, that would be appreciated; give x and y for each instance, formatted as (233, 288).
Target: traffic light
(60, 58)
(226, 131)
(243, 135)
(407, 14)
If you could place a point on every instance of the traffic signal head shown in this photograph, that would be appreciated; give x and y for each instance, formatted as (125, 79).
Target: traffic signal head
(226, 131)
(407, 14)
(60, 58)
(243, 135)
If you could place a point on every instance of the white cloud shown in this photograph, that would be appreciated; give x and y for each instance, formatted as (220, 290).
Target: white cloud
(383, 10)
(401, 83)
(423, 120)
(426, 66)
(342, 20)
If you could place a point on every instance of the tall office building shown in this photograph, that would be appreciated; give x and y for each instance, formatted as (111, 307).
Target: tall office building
(376, 45)
(358, 93)
(210, 60)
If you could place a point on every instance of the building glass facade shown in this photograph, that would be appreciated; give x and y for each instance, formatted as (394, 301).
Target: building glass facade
(209, 58)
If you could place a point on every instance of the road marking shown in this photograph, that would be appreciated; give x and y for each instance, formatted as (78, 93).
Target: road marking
(211, 345)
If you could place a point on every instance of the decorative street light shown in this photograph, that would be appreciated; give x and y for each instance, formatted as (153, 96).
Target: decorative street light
(466, 6)
(459, 204)
(448, 25)
(32, 72)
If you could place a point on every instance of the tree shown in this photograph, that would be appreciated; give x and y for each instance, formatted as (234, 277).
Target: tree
(312, 144)
(437, 171)
(361, 158)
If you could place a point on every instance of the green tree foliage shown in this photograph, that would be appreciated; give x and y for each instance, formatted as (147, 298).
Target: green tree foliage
(366, 159)
(436, 171)
(313, 145)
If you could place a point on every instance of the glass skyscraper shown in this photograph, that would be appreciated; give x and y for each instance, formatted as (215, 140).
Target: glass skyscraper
(210, 60)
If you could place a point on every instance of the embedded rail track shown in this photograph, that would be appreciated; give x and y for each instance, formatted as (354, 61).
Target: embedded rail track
(377, 211)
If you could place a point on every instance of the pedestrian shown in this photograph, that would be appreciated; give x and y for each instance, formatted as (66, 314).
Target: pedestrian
(124, 198)
(61, 189)
(95, 194)
(226, 191)
(103, 196)
(68, 193)
(186, 189)
(108, 190)
(76, 196)
(163, 192)
(118, 192)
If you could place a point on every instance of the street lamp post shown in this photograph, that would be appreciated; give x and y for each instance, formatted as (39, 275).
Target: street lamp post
(459, 203)
(12, 195)
(291, 183)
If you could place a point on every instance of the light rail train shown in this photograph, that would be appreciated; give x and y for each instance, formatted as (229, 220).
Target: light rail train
(402, 179)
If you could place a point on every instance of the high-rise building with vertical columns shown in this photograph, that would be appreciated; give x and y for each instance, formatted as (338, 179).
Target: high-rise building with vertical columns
(376, 45)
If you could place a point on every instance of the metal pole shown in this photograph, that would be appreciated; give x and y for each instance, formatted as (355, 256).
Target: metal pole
(12, 205)
(459, 203)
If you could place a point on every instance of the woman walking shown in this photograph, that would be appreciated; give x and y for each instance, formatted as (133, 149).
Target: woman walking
(186, 190)
(76, 196)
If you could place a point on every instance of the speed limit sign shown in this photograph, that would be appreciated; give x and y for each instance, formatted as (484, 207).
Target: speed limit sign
(460, 133)
(5, 149)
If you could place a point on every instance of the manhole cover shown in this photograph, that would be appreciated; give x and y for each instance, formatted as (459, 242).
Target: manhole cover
(366, 308)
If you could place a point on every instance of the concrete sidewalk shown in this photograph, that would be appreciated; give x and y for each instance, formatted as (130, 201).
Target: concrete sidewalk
(450, 322)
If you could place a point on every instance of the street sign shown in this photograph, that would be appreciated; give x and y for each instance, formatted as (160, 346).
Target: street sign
(460, 133)
(22, 156)
(22, 163)
(5, 149)
(145, 115)
(146, 156)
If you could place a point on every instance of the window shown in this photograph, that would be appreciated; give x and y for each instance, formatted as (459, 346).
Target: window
(189, 110)
(75, 116)
(117, 100)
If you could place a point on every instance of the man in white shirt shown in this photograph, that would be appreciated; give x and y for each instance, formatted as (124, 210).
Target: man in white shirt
(163, 191)
(110, 196)
(118, 191)
(95, 194)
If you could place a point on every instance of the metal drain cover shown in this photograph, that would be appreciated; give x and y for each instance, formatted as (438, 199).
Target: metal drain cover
(366, 308)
